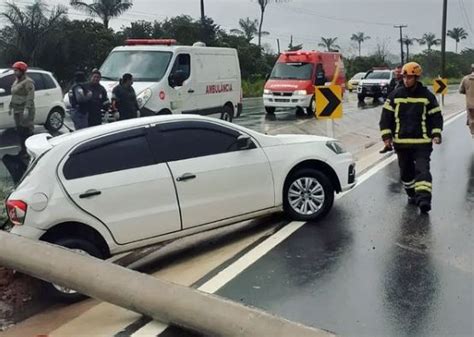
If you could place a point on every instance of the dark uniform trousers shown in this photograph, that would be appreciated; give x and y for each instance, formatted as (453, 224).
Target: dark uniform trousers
(415, 172)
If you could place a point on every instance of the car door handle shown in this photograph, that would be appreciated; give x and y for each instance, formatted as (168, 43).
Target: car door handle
(191, 91)
(186, 176)
(89, 194)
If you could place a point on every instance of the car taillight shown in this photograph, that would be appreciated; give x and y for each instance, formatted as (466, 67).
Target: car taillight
(16, 211)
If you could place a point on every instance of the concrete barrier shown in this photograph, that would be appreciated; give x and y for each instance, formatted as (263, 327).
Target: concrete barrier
(169, 303)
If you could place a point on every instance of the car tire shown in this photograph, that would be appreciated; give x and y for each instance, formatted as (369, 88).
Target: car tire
(270, 110)
(361, 97)
(310, 110)
(82, 246)
(55, 120)
(227, 114)
(320, 201)
(350, 90)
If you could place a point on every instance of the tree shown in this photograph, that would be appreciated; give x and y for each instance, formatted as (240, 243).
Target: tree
(248, 29)
(104, 9)
(457, 34)
(329, 43)
(359, 38)
(263, 6)
(28, 30)
(407, 42)
(430, 40)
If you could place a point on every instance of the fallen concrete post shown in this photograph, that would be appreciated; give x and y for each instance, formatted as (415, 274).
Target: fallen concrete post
(169, 303)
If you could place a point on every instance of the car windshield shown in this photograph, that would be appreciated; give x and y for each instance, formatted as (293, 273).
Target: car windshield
(358, 76)
(379, 75)
(292, 71)
(145, 66)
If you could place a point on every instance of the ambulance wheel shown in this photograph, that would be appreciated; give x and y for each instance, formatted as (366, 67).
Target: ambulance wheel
(228, 113)
(311, 109)
(270, 110)
(164, 112)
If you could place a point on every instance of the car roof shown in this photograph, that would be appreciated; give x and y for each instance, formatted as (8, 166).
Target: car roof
(30, 70)
(93, 132)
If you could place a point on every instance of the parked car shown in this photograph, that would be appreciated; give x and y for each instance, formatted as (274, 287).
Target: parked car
(48, 99)
(126, 185)
(292, 80)
(353, 83)
(376, 84)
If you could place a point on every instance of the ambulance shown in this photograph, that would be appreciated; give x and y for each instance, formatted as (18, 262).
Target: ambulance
(292, 80)
(174, 79)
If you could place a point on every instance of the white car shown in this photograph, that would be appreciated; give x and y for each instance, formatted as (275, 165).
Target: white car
(49, 104)
(125, 185)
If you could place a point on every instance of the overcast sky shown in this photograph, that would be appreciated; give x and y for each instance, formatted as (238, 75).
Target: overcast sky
(309, 20)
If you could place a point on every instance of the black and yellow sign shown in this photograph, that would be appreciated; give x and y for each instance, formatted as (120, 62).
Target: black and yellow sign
(328, 102)
(440, 86)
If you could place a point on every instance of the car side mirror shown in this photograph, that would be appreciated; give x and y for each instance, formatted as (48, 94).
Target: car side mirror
(2, 91)
(244, 142)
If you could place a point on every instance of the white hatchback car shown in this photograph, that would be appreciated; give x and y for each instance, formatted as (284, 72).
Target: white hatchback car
(49, 104)
(125, 185)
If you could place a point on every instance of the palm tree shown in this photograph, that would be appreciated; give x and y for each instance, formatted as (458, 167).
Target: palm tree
(104, 9)
(430, 40)
(457, 34)
(359, 38)
(329, 43)
(248, 29)
(407, 42)
(30, 29)
(263, 5)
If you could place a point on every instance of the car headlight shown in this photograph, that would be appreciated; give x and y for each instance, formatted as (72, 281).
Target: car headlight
(144, 97)
(267, 91)
(335, 146)
(300, 92)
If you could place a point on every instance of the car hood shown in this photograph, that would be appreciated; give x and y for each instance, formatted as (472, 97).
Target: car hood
(295, 139)
(374, 81)
(138, 86)
(287, 85)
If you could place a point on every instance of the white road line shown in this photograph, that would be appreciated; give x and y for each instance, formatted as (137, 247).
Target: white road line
(229, 273)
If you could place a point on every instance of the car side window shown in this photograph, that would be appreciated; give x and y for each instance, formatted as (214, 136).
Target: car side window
(48, 82)
(6, 84)
(108, 154)
(187, 140)
(181, 70)
(38, 79)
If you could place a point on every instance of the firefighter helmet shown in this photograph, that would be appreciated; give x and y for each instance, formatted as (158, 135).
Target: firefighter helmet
(22, 66)
(412, 68)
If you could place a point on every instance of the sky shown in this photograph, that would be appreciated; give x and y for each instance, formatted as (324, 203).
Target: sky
(309, 20)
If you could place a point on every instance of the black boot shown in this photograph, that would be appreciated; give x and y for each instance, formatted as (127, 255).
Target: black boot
(425, 206)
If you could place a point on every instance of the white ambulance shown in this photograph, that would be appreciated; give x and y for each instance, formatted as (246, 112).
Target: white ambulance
(173, 79)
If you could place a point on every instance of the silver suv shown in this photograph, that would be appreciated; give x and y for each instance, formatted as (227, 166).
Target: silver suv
(375, 84)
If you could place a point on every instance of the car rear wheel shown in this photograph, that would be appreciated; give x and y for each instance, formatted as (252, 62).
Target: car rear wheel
(55, 120)
(81, 246)
(227, 114)
(308, 195)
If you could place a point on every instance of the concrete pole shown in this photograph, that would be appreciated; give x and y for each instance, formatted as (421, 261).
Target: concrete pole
(169, 303)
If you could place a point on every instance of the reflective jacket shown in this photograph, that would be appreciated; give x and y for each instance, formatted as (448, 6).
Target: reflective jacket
(411, 117)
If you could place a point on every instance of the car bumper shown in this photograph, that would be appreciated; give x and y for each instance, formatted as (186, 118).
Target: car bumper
(287, 101)
(345, 167)
(372, 91)
(27, 232)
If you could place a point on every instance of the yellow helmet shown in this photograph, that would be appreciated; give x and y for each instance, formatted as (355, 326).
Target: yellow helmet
(412, 68)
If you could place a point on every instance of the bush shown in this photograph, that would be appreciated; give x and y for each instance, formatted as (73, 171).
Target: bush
(253, 88)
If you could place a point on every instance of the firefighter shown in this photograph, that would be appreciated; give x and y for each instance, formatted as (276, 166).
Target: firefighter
(411, 121)
(22, 104)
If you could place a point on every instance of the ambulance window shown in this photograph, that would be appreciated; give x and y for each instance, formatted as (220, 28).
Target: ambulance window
(182, 66)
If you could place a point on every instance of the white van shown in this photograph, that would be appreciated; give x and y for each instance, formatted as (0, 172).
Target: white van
(171, 79)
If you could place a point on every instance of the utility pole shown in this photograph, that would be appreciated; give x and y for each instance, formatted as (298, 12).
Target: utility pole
(278, 45)
(202, 11)
(443, 39)
(203, 19)
(401, 40)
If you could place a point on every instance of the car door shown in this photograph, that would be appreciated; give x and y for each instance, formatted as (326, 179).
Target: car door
(42, 98)
(214, 180)
(6, 120)
(116, 179)
(180, 80)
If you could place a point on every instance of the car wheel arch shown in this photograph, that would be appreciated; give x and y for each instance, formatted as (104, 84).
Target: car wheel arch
(77, 230)
(319, 165)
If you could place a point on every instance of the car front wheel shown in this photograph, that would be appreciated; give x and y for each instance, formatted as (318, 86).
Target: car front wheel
(81, 246)
(308, 195)
(55, 120)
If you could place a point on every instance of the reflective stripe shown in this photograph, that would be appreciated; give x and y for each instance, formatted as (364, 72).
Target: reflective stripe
(386, 132)
(388, 107)
(412, 100)
(412, 140)
(434, 110)
(423, 124)
(423, 188)
(397, 120)
(436, 131)
(424, 183)
(409, 183)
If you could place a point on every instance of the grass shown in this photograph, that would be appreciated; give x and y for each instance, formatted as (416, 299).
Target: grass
(428, 81)
(253, 88)
(6, 186)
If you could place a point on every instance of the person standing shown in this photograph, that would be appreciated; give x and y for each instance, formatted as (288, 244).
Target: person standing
(124, 99)
(79, 98)
(467, 88)
(98, 101)
(411, 121)
(22, 103)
